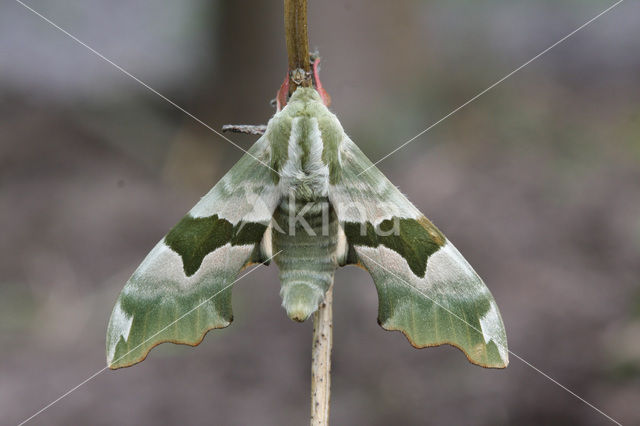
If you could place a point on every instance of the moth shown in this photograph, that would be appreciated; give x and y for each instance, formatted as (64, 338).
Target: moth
(305, 196)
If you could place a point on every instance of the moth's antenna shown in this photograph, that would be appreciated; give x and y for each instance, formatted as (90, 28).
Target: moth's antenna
(249, 129)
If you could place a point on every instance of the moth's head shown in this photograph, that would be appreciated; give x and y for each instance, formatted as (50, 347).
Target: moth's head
(282, 98)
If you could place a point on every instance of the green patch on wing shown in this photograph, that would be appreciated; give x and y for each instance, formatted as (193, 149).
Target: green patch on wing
(194, 238)
(448, 305)
(455, 319)
(415, 240)
(331, 137)
(278, 135)
(151, 318)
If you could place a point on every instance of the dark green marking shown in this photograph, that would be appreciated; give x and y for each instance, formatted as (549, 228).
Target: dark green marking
(247, 233)
(331, 135)
(305, 143)
(278, 136)
(414, 240)
(194, 238)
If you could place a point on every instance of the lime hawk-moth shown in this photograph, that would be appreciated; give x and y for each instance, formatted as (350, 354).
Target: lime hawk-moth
(306, 192)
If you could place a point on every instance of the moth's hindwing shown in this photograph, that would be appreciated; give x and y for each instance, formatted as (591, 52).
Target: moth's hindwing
(426, 289)
(180, 291)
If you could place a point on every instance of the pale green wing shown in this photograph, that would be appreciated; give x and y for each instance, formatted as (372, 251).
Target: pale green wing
(426, 289)
(181, 290)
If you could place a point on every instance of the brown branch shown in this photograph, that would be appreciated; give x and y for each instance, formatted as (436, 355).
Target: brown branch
(321, 361)
(295, 26)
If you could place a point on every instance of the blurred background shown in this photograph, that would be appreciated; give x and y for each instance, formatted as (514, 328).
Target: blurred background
(537, 183)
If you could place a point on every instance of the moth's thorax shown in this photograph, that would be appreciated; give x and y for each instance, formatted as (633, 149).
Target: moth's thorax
(305, 139)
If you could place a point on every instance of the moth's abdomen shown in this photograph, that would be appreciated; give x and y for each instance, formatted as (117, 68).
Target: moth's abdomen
(306, 236)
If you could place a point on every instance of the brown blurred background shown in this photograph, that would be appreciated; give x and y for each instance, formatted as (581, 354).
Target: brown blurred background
(537, 183)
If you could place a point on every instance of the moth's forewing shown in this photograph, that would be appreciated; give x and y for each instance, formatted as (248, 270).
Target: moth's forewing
(426, 289)
(181, 290)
